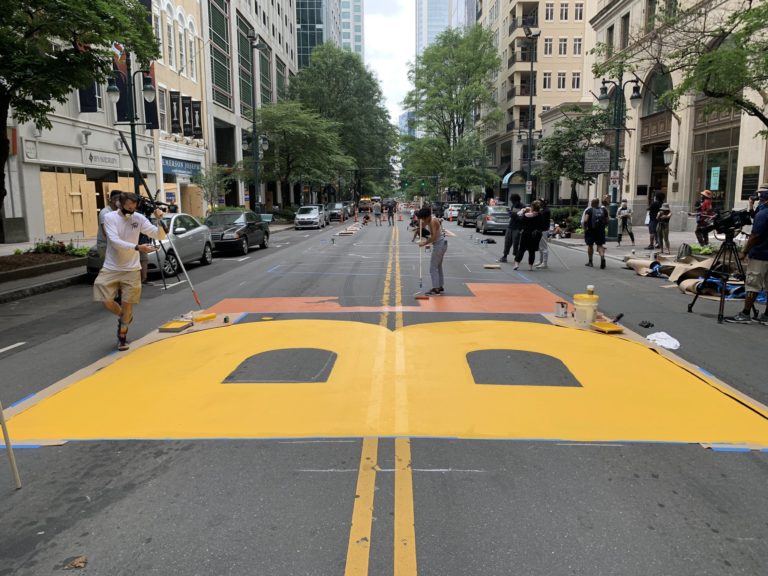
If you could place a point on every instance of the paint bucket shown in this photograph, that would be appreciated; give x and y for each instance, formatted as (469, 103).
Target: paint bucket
(561, 309)
(585, 309)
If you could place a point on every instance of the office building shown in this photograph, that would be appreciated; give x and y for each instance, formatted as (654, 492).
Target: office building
(317, 22)
(432, 18)
(353, 26)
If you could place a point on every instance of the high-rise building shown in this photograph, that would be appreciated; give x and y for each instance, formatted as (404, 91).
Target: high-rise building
(404, 123)
(432, 18)
(352, 26)
(317, 22)
(463, 13)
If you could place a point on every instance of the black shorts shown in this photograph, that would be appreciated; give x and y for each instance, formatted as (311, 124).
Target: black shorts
(595, 236)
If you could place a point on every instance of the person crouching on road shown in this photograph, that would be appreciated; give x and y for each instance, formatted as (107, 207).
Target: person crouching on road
(122, 269)
(439, 247)
(530, 235)
(756, 249)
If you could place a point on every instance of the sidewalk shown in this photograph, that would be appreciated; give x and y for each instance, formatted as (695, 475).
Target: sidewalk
(17, 289)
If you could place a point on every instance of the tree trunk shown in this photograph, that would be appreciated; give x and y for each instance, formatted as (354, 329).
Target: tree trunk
(5, 150)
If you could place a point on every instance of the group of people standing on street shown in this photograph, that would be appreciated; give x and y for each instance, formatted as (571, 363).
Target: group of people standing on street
(527, 232)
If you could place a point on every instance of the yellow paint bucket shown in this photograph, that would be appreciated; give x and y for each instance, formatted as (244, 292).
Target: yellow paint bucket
(585, 309)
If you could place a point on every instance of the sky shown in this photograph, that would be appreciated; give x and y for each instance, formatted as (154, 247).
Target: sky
(390, 43)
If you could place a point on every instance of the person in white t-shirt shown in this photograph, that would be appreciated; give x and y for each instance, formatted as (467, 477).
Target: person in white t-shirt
(122, 269)
(101, 233)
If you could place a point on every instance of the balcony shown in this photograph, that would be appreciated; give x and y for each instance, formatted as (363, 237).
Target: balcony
(510, 126)
(511, 93)
(530, 20)
(525, 90)
(525, 56)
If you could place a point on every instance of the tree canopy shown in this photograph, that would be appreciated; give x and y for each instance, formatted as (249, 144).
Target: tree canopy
(339, 87)
(49, 48)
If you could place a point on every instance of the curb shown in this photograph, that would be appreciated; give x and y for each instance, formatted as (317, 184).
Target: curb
(43, 287)
(32, 271)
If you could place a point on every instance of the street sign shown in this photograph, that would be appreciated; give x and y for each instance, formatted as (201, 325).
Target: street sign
(615, 174)
(529, 186)
(597, 160)
(615, 182)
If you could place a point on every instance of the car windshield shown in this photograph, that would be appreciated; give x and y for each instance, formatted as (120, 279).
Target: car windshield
(225, 218)
(307, 210)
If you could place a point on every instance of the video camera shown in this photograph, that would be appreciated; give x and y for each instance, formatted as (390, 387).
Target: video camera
(147, 206)
(730, 221)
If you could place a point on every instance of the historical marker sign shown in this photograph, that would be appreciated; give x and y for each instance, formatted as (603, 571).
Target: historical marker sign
(597, 160)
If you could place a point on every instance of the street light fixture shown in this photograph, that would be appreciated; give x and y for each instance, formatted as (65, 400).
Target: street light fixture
(148, 93)
(619, 125)
(532, 37)
(257, 143)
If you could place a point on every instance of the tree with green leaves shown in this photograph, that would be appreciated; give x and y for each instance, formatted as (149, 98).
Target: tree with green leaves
(452, 80)
(717, 50)
(562, 153)
(214, 181)
(49, 48)
(339, 87)
(302, 146)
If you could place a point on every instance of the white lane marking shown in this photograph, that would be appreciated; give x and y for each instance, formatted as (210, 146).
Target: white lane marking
(169, 286)
(241, 259)
(359, 255)
(467, 267)
(11, 347)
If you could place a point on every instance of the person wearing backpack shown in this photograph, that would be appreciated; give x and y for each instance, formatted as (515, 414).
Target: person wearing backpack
(595, 219)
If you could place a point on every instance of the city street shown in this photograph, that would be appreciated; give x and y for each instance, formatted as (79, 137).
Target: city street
(336, 425)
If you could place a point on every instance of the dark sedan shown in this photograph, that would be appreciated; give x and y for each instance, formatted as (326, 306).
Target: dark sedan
(238, 230)
(468, 214)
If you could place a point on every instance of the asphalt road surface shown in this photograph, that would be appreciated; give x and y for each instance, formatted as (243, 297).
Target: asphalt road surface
(336, 425)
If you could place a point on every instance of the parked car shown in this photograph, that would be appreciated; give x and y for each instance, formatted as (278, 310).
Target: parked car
(323, 212)
(492, 219)
(451, 211)
(308, 217)
(350, 207)
(468, 214)
(191, 242)
(237, 230)
(336, 211)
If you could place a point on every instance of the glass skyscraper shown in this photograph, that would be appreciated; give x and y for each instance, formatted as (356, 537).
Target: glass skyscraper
(432, 18)
(317, 21)
(352, 26)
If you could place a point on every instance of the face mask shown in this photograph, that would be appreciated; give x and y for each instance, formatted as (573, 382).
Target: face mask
(127, 212)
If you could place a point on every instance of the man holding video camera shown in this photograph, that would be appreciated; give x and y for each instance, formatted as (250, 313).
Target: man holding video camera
(756, 249)
(122, 268)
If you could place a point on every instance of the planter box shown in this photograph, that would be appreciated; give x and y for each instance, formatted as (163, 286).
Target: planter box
(33, 271)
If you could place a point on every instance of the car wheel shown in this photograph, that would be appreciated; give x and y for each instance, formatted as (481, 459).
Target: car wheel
(207, 257)
(477, 228)
(483, 232)
(243, 248)
(264, 243)
(170, 264)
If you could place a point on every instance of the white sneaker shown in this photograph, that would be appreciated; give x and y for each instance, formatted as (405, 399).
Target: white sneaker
(541, 266)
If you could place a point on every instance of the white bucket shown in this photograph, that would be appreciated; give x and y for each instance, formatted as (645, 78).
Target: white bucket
(561, 309)
(585, 309)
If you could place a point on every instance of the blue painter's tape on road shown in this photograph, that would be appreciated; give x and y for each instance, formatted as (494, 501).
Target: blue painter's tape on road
(240, 318)
(22, 400)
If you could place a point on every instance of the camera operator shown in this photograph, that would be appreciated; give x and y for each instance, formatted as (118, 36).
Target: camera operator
(756, 249)
(122, 269)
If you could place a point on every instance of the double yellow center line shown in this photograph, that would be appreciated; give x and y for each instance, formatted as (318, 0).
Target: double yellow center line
(359, 546)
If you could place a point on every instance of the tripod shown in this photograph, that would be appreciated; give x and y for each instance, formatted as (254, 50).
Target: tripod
(721, 270)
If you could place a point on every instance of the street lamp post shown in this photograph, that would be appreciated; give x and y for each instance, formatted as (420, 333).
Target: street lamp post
(619, 125)
(259, 145)
(148, 91)
(532, 37)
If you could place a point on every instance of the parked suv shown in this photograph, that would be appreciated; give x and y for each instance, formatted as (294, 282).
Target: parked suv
(308, 217)
(323, 213)
(336, 211)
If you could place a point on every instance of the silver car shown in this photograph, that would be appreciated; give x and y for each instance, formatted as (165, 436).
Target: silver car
(191, 243)
(492, 219)
(309, 217)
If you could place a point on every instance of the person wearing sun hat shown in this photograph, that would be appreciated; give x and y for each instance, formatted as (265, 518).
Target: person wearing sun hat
(704, 214)
(662, 227)
(756, 249)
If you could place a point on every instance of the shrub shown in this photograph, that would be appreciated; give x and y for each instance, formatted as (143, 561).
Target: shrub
(284, 214)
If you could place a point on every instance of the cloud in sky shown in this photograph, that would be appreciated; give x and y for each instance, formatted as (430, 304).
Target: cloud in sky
(390, 43)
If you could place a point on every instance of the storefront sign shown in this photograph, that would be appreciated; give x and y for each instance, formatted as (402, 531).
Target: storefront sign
(175, 98)
(170, 197)
(99, 158)
(597, 160)
(714, 179)
(180, 167)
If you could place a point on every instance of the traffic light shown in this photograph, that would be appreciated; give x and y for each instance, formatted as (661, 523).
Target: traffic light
(423, 185)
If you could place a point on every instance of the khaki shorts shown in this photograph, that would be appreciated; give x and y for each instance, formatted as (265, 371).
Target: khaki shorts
(757, 276)
(108, 282)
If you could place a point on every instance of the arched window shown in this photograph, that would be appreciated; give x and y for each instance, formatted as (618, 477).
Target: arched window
(170, 37)
(182, 46)
(659, 83)
(192, 50)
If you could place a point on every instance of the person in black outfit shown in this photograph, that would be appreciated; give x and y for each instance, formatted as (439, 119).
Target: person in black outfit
(530, 235)
(653, 212)
(512, 235)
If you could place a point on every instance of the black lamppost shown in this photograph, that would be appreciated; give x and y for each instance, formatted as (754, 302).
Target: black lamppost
(619, 125)
(259, 144)
(532, 37)
(148, 91)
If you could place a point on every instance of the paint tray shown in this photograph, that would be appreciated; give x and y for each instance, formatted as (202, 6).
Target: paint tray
(607, 327)
(175, 326)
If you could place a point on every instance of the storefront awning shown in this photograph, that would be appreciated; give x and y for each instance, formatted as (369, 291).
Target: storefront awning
(516, 177)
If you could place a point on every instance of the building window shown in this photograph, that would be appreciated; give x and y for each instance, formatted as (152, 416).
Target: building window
(546, 81)
(192, 56)
(157, 27)
(609, 34)
(577, 46)
(221, 63)
(576, 81)
(265, 73)
(281, 79)
(561, 80)
(245, 66)
(562, 46)
(545, 109)
(563, 12)
(162, 109)
(578, 11)
(182, 54)
(625, 31)
(549, 12)
(171, 51)
(547, 46)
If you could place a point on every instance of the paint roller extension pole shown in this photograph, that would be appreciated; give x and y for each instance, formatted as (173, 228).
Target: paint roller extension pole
(184, 270)
(9, 449)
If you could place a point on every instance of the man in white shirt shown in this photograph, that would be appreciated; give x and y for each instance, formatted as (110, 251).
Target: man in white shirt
(101, 233)
(122, 269)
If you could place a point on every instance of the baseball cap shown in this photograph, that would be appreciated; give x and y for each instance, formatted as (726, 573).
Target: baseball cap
(763, 194)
